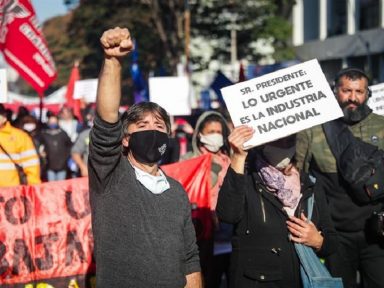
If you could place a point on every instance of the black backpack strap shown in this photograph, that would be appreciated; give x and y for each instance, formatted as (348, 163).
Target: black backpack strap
(359, 163)
(9, 156)
(20, 170)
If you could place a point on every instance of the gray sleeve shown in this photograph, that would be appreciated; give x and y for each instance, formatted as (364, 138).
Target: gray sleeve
(105, 151)
(192, 260)
(80, 146)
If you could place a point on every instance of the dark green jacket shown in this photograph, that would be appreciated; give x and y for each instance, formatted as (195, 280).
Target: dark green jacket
(313, 154)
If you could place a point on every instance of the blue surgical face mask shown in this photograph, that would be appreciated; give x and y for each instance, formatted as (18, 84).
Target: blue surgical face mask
(53, 126)
(155, 184)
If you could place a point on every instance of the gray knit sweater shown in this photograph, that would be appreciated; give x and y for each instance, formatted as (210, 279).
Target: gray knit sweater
(141, 239)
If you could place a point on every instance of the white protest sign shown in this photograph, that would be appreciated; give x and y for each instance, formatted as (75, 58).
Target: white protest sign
(171, 93)
(3, 86)
(282, 103)
(376, 101)
(86, 90)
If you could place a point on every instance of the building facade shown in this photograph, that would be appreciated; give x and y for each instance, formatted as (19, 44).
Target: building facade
(341, 33)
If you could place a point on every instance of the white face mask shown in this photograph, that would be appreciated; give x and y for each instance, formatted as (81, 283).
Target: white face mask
(279, 157)
(155, 184)
(29, 127)
(213, 142)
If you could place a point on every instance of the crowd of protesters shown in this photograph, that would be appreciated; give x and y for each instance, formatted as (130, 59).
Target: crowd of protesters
(61, 141)
(49, 150)
(259, 197)
(56, 151)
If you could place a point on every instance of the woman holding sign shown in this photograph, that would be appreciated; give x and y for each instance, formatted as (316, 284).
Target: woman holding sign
(267, 201)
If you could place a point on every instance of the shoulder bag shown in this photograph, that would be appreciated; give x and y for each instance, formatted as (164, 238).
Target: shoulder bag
(20, 171)
(360, 164)
(313, 273)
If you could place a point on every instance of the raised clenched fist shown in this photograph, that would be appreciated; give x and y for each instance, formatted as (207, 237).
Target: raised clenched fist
(116, 42)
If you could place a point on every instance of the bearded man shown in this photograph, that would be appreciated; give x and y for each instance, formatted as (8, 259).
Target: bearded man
(323, 155)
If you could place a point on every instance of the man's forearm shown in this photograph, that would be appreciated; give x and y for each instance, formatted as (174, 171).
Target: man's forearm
(194, 280)
(109, 90)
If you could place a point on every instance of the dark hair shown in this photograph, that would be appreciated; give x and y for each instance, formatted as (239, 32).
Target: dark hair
(22, 111)
(50, 114)
(225, 131)
(257, 152)
(352, 74)
(3, 111)
(28, 119)
(137, 111)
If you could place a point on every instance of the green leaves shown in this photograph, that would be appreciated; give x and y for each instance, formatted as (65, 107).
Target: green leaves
(158, 26)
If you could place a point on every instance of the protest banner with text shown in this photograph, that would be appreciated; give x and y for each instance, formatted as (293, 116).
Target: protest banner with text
(46, 235)
(376, 101)
(282, 103)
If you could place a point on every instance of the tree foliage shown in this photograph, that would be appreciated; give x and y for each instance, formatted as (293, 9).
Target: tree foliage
(252, 20)
(158, 27)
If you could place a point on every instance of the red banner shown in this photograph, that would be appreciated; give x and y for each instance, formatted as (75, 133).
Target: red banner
(23, 44)
(45, 230)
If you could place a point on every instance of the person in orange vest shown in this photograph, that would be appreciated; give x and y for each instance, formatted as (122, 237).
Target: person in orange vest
(16, 150)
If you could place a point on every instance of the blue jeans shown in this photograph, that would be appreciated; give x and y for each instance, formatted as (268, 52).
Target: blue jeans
(56, 175)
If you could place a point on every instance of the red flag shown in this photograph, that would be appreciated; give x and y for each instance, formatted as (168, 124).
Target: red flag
(23, 44)
(241, 73)
(75, 104)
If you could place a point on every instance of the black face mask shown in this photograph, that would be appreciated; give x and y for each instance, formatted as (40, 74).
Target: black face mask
(148, 146)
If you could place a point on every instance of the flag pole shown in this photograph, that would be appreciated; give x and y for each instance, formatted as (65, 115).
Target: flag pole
(41, 105)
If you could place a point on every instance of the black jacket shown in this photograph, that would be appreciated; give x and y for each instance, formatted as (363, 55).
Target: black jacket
(262, 254)
(57, 146)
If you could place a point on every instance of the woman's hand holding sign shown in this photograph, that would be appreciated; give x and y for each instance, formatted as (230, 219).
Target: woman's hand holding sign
(236, 139)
